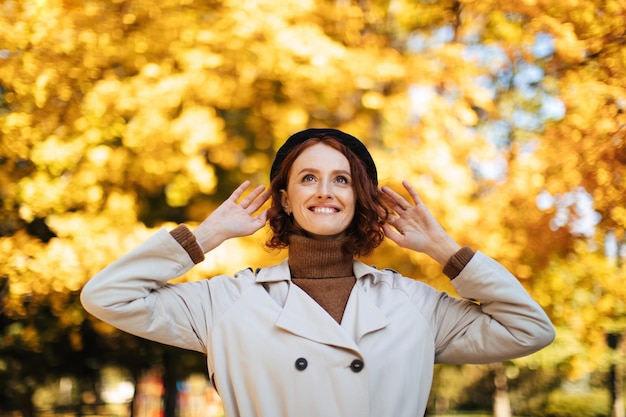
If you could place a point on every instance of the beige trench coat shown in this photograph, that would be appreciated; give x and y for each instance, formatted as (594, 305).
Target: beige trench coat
(272, 351)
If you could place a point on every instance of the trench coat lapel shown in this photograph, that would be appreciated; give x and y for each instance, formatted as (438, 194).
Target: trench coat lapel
(302, 316)
(362, 316)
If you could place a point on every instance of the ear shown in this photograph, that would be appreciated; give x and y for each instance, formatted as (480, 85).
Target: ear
(284, 201)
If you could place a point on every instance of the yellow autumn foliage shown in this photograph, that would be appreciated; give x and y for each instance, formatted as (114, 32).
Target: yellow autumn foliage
(121, 117)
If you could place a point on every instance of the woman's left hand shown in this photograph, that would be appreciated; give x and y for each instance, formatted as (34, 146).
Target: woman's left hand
(411, 226)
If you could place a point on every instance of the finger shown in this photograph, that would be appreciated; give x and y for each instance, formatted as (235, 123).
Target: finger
(395, 220)
(396, 199)
(258, 202)
(386, 198)
(414, 196)
(239, 191)
(391, 233)
(245, 203)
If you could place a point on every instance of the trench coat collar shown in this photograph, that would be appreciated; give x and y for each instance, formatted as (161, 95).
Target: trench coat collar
(302, 316)
(281, 272)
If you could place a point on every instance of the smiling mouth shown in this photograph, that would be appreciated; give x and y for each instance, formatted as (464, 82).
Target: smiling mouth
(324, 210)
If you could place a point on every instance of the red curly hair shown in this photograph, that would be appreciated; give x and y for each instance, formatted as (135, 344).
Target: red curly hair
(365, 231)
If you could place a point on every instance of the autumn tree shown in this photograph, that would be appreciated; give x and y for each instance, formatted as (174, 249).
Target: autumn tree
(122, 116)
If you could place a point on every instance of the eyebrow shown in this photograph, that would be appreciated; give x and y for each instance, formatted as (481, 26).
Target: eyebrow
(335, 172)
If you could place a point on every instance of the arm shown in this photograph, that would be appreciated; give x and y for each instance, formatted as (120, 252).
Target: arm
(133, 293)
(506, 323)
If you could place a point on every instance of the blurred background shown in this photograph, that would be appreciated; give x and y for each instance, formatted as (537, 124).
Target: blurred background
(119, 117)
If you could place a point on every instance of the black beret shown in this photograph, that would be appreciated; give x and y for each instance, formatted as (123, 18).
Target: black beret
(350, 141)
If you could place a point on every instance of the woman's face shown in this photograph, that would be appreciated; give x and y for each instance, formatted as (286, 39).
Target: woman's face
(319, 192)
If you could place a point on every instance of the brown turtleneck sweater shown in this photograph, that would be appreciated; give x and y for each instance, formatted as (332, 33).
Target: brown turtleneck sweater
(323, 271)
(320, 267)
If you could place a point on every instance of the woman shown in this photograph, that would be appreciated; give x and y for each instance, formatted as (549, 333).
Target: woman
(321, 334)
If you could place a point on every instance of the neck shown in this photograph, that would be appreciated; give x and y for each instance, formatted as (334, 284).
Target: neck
(311, 258)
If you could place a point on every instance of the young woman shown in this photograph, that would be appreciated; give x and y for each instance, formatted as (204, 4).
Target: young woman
(321, 334)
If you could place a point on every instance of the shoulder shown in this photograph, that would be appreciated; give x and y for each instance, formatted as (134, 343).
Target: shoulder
(390, 290)
(390, 278)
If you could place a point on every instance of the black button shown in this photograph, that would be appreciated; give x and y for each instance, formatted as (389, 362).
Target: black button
(301, 364)
(357, 365)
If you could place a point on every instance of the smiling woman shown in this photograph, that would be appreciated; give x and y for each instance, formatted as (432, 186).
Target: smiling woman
(343, 160)
(319, 192)
(342, 338)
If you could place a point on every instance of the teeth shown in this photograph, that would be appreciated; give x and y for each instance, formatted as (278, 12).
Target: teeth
(323, 210)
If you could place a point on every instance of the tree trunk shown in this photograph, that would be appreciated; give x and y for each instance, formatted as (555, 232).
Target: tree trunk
(616, 377)
(501, 401)
(169, 385)
(27, 408)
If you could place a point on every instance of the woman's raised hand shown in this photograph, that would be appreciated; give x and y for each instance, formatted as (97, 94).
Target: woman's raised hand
(411, 226)
(232, 218)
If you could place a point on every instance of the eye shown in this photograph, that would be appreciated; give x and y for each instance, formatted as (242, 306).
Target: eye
(308, 178)
(342, 180)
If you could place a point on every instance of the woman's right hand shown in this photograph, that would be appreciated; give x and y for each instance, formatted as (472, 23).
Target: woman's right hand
(233, 219)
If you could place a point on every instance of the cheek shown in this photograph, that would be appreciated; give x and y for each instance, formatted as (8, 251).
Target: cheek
(351, 200)
(350, 206)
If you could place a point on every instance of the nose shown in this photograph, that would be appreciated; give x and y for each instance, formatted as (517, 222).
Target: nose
(324, 190)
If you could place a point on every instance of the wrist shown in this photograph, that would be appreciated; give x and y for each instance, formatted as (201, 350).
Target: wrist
(457, 262)
(207, 237)
(444, 250)
(188, 241)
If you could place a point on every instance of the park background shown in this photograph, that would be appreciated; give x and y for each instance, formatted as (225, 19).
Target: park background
(119, 117)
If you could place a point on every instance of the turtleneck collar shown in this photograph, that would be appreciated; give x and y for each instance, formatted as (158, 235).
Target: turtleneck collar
(312, 258)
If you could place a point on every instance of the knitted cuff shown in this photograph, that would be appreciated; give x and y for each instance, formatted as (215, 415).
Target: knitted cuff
(188, 241)
(457, 262)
